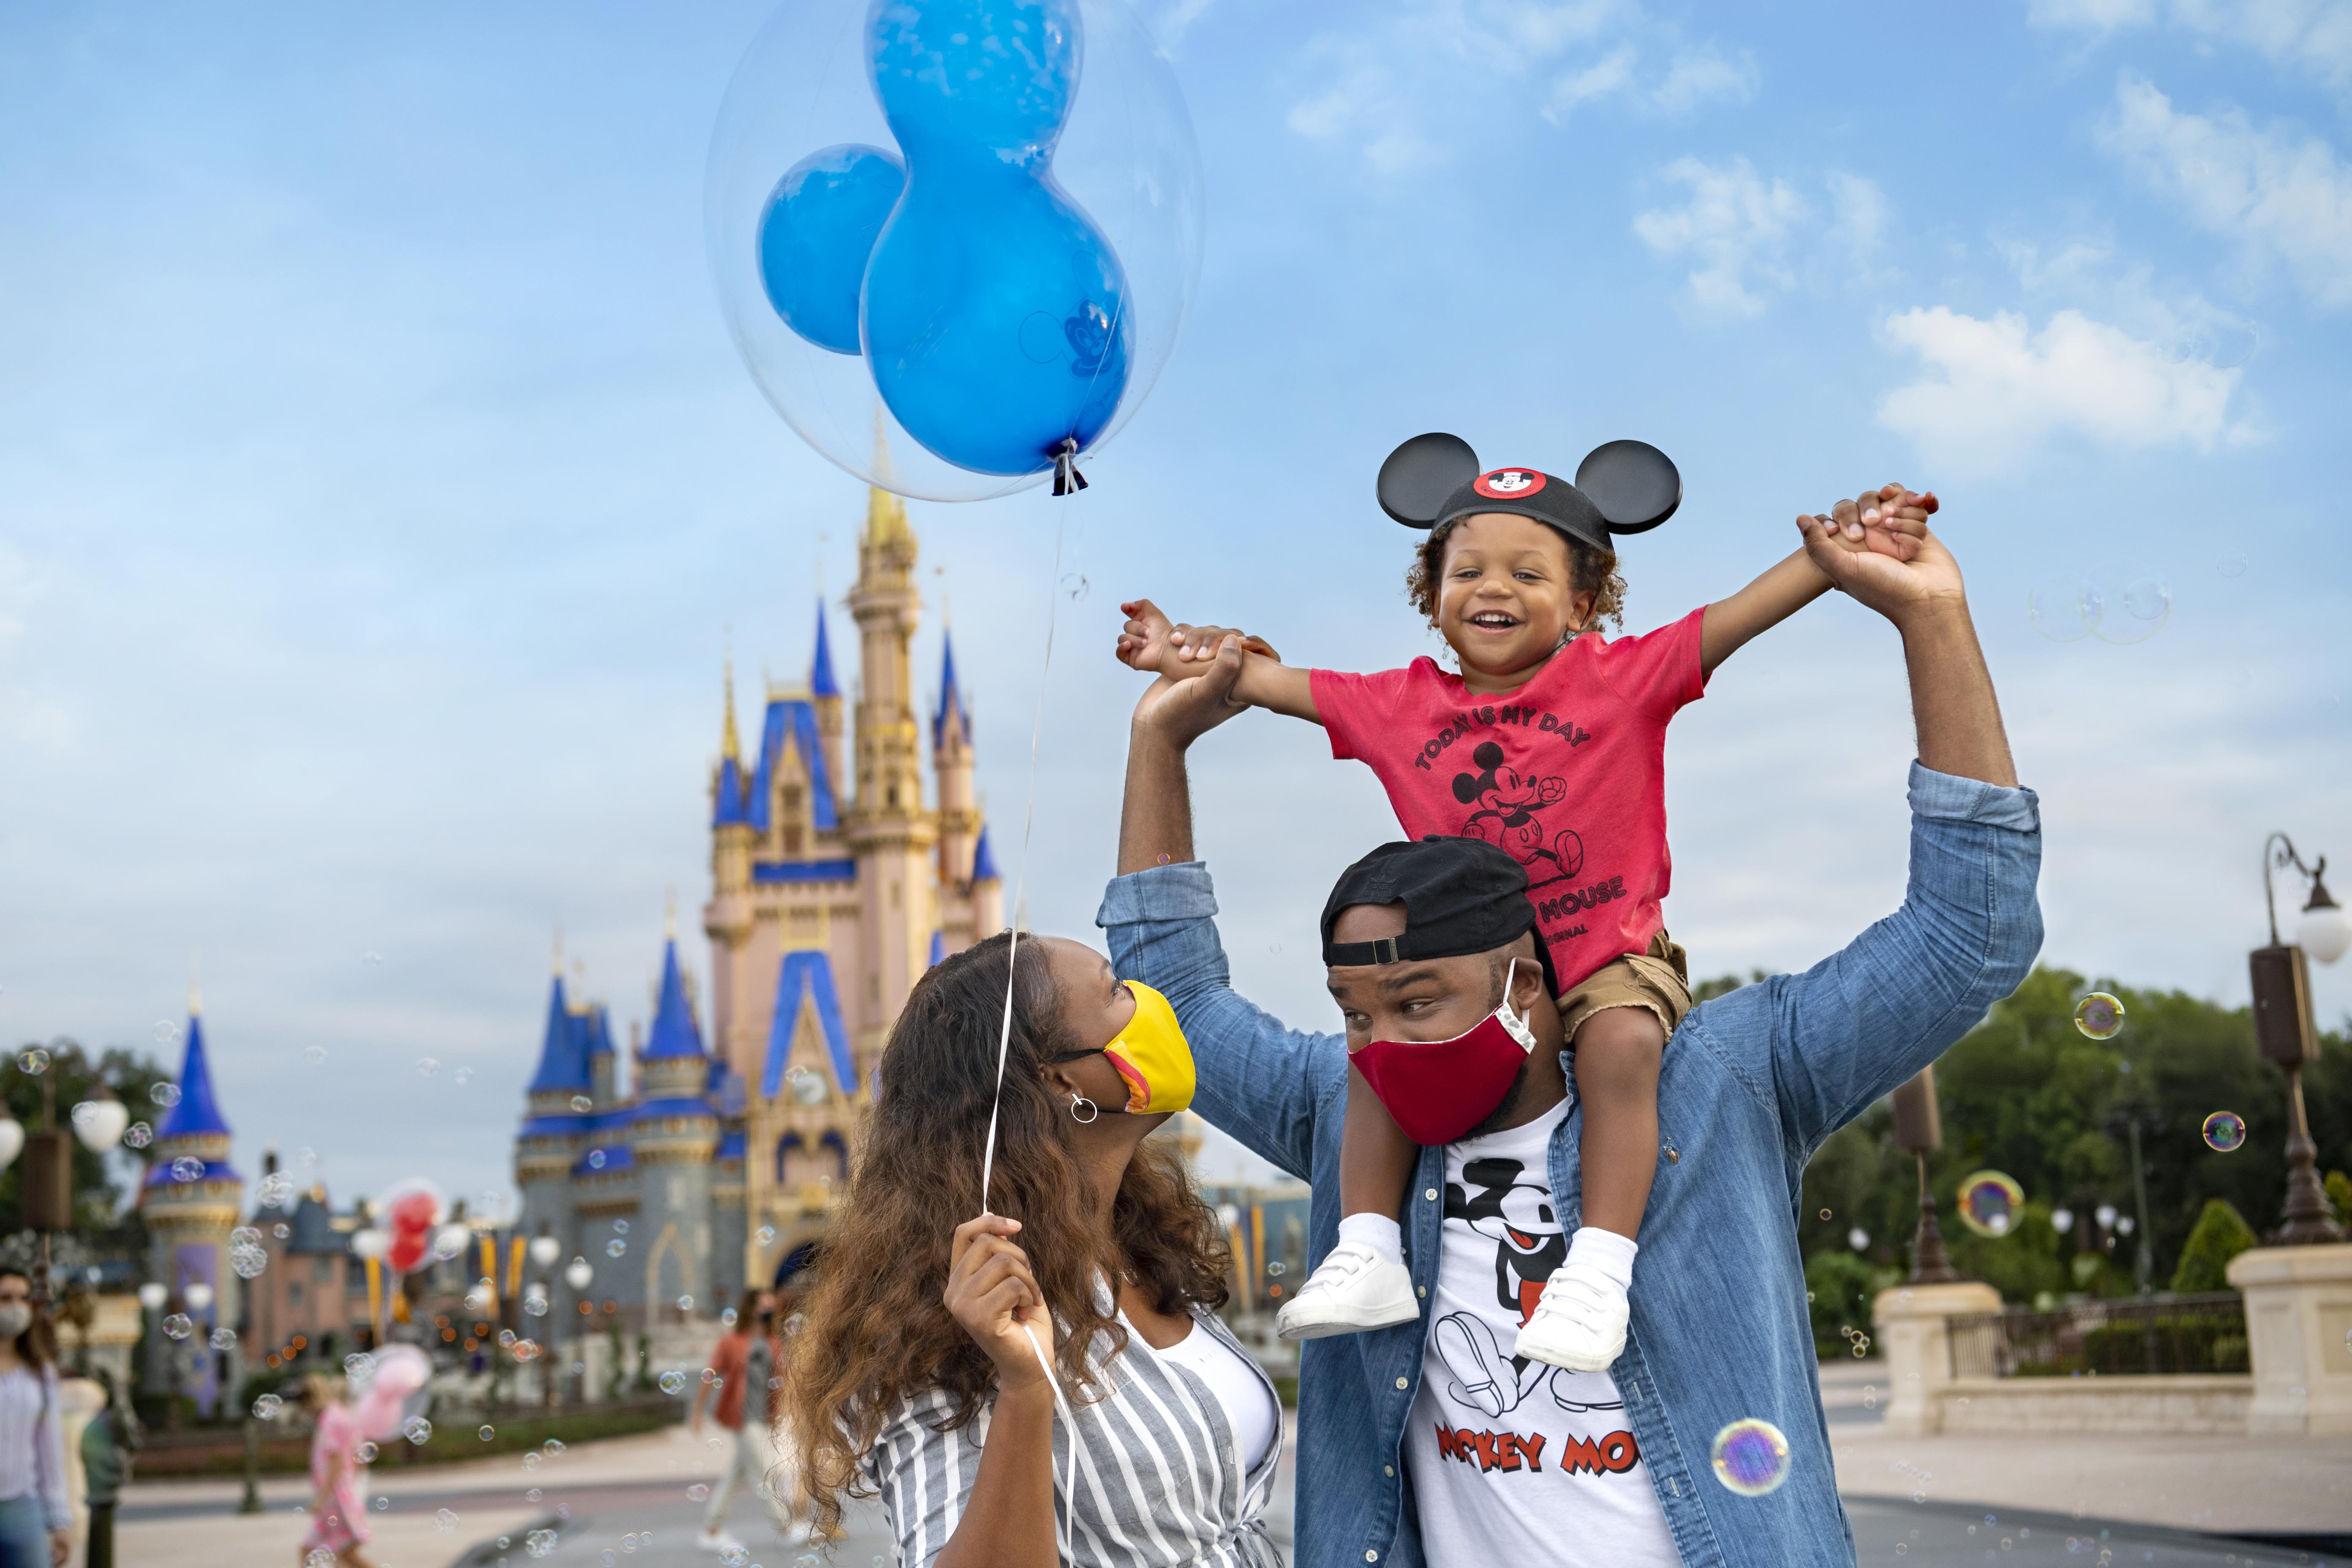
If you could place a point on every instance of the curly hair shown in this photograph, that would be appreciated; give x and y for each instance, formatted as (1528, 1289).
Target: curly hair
(877, 1329)
(1589, 570)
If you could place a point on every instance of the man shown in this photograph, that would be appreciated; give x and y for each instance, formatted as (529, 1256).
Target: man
(745, 1367)
(1427, 1442)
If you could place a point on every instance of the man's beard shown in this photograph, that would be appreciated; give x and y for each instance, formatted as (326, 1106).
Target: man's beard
(1503, 1110)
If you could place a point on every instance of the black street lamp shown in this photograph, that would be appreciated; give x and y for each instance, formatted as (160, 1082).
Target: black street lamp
(2285, 1036)
(1919, 1133)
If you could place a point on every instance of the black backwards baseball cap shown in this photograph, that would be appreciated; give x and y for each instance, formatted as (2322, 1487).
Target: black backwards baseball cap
(1460, 895)
(1621, 486)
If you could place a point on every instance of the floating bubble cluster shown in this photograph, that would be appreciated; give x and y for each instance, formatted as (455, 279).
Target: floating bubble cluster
(34, 1061)
(178, 1326)
(2120, 601)
(187, 1168)
(166, 1095)
(222, 1338)
(2225, 1130)
(697, 1492)
(1751, 1457)
(445, 1519)
(673, 1383)
(416, 1429)
(137, 1135)
(1991, 1203)
(2099, 1015)
(267, 1407)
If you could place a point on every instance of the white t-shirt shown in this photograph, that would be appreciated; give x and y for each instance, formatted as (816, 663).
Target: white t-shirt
(1249, 1405)
(1517, 1461)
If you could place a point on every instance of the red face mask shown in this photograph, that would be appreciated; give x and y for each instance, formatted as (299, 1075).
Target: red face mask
(1439, 1090)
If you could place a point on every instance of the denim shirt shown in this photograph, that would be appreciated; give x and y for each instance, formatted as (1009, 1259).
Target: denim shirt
(1751, 1084)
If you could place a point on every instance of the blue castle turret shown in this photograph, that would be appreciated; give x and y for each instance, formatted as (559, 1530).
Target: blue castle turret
(190, 1199)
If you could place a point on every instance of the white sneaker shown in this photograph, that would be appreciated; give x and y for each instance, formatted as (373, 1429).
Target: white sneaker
(1579, 1322)
(717, 1541)
(1353, 1289)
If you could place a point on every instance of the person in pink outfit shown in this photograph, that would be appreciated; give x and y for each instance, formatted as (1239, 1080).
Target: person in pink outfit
(338, 1510)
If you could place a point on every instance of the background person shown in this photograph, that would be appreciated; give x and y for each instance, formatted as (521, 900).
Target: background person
(744, 1362)
(107, 1445)
(338, 1509)
(916, 1375)
(36, 1528)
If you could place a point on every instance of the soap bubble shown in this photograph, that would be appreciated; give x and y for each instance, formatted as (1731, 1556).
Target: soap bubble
(2225, 1130)
(187, 1168)
(281, 1230)
(765, 1235)
(2099, 1015)
(178, 1326)
(166, 1032)
(595, 1159)
(615, 1248)
(416, 1429)
(426, 1066)
(370, 958)
(540, 1543)
(1277, 1268)
(443, 1519)
(2128, 601)
(463, 1075)
(317, 1056)
(34, 1062)
(222, 1338)
(487, 1432)
(620, 1228)
(1073, 586)
(582, 1103)
(1990, 1203)
(249, 1262)
(273, 1192)
(2232, 564)
(1126, 157)
(2060, 607)
(1751, 1457)
(166, 1095)
(673, 1383)
(138, 1135)
(697, 1492)
(267, 1407)
(685, 1303)
(318, 1557)
(366, 1452)
(553, 1446)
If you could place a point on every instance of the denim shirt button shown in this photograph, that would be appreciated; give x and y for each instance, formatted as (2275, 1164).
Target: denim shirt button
(1422, 1290)
(1400, 1383)
(1389, 1470)
(1431, 1194)
(1370, 1555)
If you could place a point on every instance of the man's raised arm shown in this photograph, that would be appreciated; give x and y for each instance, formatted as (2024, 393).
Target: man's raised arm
(1257, 1081)
(1862, 1021)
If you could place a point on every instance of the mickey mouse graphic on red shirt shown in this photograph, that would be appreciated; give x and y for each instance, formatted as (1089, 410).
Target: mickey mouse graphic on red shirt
(1508, 801)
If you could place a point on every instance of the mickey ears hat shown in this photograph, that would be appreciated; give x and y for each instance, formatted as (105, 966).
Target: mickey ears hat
(1621, 486)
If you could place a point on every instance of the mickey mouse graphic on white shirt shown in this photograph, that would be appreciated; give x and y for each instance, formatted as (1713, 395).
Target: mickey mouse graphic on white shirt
(1519, 1218)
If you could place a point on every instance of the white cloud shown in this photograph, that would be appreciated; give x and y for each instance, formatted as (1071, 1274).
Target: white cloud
(1738, 228)
(2284, 199)
(2310, 36)
(1390, 71)
(1993, 392)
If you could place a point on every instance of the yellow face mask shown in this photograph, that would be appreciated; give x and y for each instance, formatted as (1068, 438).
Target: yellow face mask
(1152, 1055)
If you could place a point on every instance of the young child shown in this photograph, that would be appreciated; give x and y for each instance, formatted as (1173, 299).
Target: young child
(1551, 744)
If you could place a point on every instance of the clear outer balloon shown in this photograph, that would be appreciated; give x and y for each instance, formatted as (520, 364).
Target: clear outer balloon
(409, 1211)
(401, 1373)
(1125, 159)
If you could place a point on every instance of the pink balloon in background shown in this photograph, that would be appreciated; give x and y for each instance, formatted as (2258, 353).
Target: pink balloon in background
(409, 1212)
(401, 1371)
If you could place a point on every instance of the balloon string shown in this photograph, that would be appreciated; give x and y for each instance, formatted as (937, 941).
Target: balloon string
(1065, 1536)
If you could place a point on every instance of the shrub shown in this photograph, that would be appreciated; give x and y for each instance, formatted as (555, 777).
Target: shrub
(2220, 1235)
(1841, 1286)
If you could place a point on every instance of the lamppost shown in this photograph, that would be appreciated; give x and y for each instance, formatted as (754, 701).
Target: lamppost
(1919, 1133)
(2286, 1037)
(580, 1274)
(544, 1251)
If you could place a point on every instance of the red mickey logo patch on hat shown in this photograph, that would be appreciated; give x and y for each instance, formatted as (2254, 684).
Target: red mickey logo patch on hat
(1508, 484)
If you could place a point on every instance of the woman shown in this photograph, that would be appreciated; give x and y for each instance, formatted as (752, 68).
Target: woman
(35, 1529)
(919, 1372)
(338, 1511)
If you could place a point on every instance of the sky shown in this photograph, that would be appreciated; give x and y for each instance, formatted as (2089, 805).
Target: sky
(379, 488)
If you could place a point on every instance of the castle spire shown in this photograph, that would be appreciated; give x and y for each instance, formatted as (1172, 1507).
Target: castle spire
(820, 680)
(197, 1114)
(730, 748)
(675, 1032)
(951, 709)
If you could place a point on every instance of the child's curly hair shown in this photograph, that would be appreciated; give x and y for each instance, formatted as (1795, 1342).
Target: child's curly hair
(1589, 568)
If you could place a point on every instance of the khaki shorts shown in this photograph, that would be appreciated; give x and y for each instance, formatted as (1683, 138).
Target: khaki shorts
(1658, 980)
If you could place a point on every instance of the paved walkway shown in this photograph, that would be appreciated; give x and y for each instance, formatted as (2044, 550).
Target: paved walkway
(2140, 1500)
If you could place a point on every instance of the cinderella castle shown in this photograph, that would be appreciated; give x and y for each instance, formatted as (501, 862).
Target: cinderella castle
(834, 888)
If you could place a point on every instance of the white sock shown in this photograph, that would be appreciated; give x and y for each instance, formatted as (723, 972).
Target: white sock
(1604, 1250)
(1379, 1232)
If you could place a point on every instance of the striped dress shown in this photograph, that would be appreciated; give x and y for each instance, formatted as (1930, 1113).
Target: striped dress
(1159, 1474)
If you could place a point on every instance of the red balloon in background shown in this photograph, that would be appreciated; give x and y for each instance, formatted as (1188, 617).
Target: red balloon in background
(410, 1213)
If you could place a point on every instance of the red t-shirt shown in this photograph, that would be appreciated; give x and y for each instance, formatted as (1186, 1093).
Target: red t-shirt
(1568, 774)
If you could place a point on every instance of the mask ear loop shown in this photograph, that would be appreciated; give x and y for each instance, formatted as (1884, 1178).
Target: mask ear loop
(1513, 1024)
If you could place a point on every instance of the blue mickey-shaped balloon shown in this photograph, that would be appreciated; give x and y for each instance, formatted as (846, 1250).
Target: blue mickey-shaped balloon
(994, 311)
(816, 233)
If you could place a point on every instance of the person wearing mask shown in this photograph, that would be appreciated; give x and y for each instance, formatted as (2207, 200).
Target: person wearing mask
(743, 1366)
(35, 1529)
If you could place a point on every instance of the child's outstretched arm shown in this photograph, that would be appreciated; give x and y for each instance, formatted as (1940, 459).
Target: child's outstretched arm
(1152, 643)
(1892, 528)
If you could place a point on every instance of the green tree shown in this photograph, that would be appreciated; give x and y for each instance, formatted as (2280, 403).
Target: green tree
(2339, 1196)
(1840, 1287)
(2221, 1234)
(103, 1217)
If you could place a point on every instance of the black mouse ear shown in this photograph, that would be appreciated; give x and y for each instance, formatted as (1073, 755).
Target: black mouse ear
(1420, 475)
(1634, 485)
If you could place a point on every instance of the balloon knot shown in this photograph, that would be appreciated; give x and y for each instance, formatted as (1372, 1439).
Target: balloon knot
(1067, 478)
